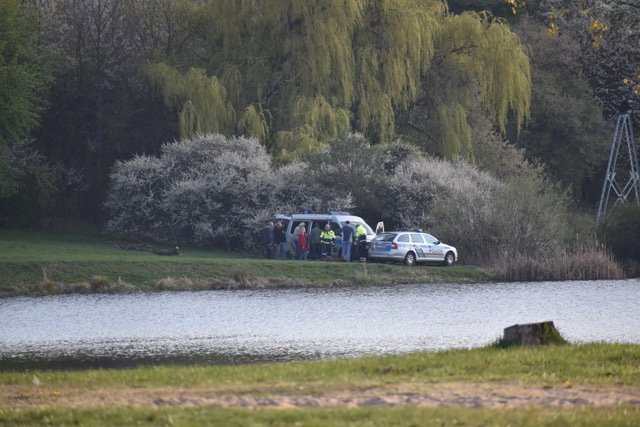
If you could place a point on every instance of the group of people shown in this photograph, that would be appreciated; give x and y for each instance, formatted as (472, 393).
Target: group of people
(317, 244)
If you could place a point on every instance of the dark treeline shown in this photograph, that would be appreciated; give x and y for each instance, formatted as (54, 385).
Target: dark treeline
(85, 83)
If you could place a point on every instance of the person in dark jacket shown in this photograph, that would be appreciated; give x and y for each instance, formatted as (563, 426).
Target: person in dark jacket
(267, 240)
(314, 241)
(280, 240)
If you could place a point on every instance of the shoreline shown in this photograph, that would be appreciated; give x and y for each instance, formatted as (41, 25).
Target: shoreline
(34, 263)
(103, 284)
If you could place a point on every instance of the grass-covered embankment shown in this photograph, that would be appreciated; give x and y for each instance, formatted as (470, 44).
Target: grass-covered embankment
(45, 263)
(589, 385)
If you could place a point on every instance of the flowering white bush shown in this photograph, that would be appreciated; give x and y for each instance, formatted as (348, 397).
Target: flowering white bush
(198, 191)
(218, 191)
(210, 191)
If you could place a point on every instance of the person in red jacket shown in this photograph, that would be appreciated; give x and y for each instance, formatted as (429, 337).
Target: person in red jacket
(302, 244)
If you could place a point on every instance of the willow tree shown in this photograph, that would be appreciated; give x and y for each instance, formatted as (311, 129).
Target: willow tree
(326, 67)
(201, 101)
(480, 60)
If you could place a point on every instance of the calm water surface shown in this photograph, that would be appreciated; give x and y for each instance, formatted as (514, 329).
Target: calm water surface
(275, 325)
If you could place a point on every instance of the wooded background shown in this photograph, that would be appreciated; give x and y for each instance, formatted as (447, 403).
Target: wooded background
(508, 86)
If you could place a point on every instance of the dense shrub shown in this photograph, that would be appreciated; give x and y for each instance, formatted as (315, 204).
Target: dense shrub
(135, 197)
(419, 185)
(621, 231)
(349, 169)
(27, 185)
(526, 216)
(198, 191)
(214, 191)
(487, 219)
(210, 191)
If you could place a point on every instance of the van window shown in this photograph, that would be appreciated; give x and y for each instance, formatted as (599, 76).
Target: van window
(336, 228)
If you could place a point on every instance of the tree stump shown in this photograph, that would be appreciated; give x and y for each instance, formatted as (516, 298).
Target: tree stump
(532, 334)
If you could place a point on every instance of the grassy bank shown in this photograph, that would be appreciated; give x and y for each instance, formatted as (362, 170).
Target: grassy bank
(469, 386)
(44, 263)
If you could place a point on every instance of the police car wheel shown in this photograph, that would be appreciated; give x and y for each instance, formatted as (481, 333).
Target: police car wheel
(449, 259)
(410, 258)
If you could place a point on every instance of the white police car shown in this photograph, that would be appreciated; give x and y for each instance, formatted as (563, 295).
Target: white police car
(411, 247)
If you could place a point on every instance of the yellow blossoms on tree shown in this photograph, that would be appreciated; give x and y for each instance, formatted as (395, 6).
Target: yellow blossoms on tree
(597, 29)
(515, 5)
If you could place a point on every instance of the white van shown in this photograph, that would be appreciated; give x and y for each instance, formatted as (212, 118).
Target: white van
(336, 221)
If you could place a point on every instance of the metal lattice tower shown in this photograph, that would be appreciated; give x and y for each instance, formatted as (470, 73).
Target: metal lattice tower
(622, 135)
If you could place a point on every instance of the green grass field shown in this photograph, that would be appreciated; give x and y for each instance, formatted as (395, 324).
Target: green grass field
(42, 263)
(590, 369)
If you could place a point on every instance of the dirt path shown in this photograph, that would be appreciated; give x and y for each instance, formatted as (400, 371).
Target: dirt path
(421, 395)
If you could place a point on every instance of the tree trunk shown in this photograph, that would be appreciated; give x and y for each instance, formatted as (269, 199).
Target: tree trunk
(532, 334)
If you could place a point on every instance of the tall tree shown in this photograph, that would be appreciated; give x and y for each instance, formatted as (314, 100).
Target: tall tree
(567, 133)
(21, 82)
(101, 108)
(608, 34)
(360, 62)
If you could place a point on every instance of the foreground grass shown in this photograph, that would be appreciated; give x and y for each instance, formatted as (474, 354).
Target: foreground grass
(596, 417)
(594, 365)
(44, 263)
(597, 364)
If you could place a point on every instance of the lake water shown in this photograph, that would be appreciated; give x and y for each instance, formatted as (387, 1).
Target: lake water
(278, 325)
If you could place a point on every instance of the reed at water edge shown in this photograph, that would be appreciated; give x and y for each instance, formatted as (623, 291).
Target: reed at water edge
(587, 262)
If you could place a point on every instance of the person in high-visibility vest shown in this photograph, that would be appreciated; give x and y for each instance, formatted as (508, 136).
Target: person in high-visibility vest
(327, 237)
(361, 238)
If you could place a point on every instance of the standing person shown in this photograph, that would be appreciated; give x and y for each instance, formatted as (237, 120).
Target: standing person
(327, 237)
(280, 240)
(302, 244)
(296, 231)
(298, 228)
(347, 236)
(314, 241)
(267, 239)
(361, 238)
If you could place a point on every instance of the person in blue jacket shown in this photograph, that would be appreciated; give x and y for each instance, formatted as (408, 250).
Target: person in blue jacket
(347, 237)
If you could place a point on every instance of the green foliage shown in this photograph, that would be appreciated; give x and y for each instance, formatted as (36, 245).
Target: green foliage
(254, 123)
(27, 186)
(320, 73)
(566, 131)
(21, 77)
(529, 215)
(607, 33)
(456, 132)
(316, 121)
(201, 100)
(621, 231)
(480, 46)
